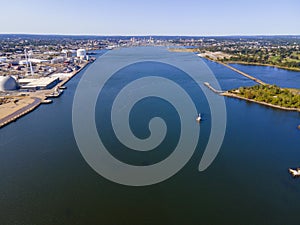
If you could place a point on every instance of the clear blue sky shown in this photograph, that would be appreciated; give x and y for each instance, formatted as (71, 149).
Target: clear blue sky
(151, 17)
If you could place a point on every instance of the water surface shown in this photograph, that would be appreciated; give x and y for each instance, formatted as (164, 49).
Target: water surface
(45, 180)
(272, 75)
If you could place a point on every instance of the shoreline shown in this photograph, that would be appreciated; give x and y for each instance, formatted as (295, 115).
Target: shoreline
(39, 97)
(227, 94)
(232, 95)
(63, 82)
(258, 102)
(16, 114)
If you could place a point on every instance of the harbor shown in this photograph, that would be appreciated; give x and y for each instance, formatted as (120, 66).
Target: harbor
(24, 104)
(42, 170)
(149, 112)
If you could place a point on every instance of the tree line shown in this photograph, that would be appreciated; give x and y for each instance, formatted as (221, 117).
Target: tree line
(271, 94)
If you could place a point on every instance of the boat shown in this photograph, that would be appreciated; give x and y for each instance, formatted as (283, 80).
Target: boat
(295, 172)
(198, 119)
(47, 101)
(55, 94)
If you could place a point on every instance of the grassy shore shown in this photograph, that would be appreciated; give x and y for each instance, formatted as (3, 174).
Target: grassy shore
(183, 50)
(227, 94)
(269, 95)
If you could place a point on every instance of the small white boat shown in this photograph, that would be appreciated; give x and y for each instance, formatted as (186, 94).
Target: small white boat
(198, 119)
(295, 172)
(57, 92)
(47, 101)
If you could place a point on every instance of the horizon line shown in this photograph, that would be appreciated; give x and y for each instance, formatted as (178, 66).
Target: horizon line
(151, 35)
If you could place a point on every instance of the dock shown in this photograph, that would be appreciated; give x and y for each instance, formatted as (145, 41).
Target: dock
(213, 89)
(55, 94)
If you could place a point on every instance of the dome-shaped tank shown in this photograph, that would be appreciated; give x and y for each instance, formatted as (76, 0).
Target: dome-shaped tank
(8, 83)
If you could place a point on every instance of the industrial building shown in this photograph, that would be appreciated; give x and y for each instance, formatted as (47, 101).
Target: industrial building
(38, 84)
(24, 62)
(56, 60)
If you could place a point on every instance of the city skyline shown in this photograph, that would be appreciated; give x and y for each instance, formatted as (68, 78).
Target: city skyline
(170, 18)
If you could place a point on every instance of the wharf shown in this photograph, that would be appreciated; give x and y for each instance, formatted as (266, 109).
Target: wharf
(20, 112)
(27, 104)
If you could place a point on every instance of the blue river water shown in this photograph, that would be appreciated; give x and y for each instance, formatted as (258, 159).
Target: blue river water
(45, 180)
(273, 75)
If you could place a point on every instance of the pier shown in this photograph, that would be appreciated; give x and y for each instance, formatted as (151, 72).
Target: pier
(242, 73)
(213, 89)
(238, 71)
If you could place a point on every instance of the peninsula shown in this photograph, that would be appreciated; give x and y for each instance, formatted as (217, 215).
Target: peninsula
(269, 95)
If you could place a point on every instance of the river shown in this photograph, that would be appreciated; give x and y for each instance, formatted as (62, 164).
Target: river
(45, 180)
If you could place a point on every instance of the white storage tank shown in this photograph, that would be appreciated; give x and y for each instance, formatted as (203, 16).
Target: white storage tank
(81, 53)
